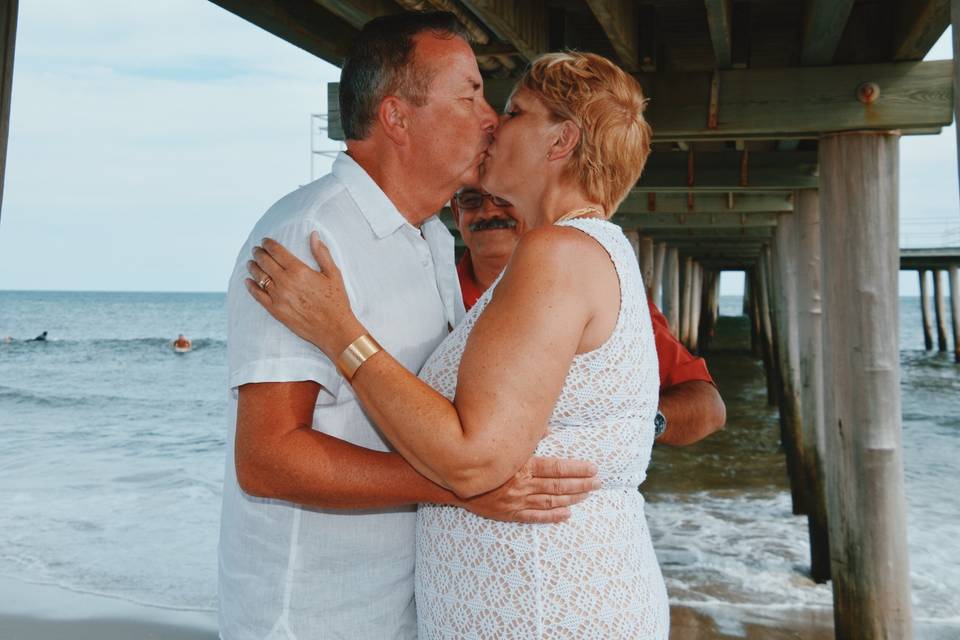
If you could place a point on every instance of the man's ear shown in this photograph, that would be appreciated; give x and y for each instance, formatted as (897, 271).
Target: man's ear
(394, 117)
(566, 140)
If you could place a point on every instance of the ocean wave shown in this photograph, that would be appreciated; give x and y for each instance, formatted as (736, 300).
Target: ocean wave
(19, 396)
(113, 343)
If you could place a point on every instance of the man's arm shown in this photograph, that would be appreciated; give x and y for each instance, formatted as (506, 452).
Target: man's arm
(693, 409)
(279, 456)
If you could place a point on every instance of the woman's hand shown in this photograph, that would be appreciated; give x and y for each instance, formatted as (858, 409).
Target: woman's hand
(312, 304)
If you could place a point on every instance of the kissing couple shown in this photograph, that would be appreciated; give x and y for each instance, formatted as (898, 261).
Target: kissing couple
(399, 468)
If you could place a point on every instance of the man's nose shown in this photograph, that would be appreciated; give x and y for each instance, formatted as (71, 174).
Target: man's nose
(488, 117)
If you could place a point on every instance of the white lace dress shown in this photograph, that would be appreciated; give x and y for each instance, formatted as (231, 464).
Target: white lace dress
(596, 575)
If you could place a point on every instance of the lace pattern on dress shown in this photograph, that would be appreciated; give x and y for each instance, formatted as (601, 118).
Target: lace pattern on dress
(595, 576)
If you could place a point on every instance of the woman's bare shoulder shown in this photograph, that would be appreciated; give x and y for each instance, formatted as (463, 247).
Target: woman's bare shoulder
(559, 250)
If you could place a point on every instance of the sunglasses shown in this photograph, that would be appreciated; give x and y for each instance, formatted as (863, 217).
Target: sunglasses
(470, 199)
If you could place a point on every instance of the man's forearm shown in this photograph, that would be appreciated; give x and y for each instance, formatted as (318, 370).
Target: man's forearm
(314, 469)
(693, 410)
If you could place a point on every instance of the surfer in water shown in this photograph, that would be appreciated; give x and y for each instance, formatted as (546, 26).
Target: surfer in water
(182, 344)
(40, 338)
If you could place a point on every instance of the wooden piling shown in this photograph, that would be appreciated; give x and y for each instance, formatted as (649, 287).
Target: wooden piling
(863, 459)
(810, 342)
(659, 258)
(784, 271)
(766, 326)
(671, 290)
(925, 311)
(940, 310)
(646, 262)
(955, 308)
(686, 303)
(8, 40)
(696, 307)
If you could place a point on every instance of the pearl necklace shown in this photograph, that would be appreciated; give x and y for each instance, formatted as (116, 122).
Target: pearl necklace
(576, 213)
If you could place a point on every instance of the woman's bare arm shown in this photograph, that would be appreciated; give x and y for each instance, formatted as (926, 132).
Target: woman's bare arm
(512, 371)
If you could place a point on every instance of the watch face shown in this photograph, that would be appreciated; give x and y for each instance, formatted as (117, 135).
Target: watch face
(659, 425)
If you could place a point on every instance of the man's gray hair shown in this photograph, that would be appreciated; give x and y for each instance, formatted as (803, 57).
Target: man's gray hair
(380, 64)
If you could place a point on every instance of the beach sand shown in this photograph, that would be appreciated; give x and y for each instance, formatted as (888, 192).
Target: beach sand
(30, 611)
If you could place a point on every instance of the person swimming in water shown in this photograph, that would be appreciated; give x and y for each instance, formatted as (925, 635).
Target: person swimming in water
(40, 338)
(182, 344)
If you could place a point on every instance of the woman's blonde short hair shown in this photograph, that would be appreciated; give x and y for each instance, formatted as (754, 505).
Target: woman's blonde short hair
(607, 104)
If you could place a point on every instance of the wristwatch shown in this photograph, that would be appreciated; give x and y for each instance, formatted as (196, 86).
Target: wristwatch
(659, 425)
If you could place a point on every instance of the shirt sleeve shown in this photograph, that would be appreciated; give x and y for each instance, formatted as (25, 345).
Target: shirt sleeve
(677, 365)
(260, 348)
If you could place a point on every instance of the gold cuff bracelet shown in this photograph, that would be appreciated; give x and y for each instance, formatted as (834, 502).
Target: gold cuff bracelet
(356, 354)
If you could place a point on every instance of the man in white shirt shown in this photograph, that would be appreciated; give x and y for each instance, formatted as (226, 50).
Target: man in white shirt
(318, 523)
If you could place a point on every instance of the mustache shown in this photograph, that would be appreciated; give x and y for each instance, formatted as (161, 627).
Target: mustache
(493, 223)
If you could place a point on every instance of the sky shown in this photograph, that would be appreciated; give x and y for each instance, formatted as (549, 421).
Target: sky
(146, 140)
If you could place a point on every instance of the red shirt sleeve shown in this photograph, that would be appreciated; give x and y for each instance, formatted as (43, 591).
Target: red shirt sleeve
(676, 363)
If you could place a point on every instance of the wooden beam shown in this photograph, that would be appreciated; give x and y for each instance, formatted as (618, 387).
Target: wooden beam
(523, 24)
(918, 25)
(303, 23)
(723, 171)
(8, 39)
(357, 13)
(823, 26)
(649, 201)
(618, 18)
(778, 103)
(718, 19)
(680, 221)
(793, 102)
(736, 236)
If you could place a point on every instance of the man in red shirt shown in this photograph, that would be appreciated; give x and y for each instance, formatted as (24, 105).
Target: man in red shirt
(690, 405)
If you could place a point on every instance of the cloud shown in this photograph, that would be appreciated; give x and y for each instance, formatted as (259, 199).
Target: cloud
(146, 139)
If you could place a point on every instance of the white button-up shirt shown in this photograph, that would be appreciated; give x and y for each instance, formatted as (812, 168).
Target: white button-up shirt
(293, 572)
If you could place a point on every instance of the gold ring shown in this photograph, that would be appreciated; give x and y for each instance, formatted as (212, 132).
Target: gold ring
(265, 282)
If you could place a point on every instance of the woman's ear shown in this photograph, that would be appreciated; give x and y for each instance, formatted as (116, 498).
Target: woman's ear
(393, 117)
(566, 140)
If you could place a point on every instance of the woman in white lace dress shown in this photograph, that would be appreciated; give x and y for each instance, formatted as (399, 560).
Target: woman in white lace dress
(557, 358)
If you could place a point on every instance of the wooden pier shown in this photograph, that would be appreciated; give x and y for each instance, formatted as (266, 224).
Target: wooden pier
(776, 138)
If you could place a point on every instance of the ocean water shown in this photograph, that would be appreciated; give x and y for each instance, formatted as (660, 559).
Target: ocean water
(112, 454)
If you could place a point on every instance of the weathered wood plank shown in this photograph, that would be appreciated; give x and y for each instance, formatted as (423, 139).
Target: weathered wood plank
(523, 24)
(8, 40)
(718, 19)
(618, 18)
(919, 24)
(303, 23)
(706, 236)
(862, 411)
(823, 26)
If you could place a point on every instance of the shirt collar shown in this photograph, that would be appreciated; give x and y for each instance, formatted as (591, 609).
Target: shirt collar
(376, 207)
(468, 282)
